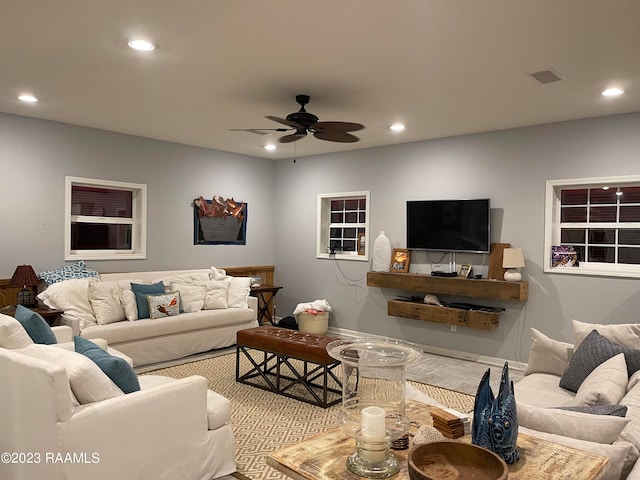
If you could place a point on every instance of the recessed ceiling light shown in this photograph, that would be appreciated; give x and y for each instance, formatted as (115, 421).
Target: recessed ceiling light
(142, 45)
(612, 92)
(397, 127)
(271, 147)
(27, 98)
(605, 188)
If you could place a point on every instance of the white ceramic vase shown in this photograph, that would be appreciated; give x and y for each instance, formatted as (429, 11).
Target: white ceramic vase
(381, 253)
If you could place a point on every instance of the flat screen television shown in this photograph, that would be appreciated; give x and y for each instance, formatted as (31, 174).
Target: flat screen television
(449, 225)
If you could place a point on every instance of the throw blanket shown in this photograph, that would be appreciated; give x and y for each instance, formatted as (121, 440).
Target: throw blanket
(319, 305)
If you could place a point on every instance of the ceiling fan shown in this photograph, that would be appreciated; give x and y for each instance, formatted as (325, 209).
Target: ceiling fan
(304, 122)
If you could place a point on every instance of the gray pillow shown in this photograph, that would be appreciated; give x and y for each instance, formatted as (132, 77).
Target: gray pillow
(594, 350)
(613, 410)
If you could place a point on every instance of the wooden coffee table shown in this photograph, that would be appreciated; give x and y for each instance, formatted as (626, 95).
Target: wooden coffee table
(323, 456)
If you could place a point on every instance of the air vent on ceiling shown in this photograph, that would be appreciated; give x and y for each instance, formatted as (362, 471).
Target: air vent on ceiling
(547, 76)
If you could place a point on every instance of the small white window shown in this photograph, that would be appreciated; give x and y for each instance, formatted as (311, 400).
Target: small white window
(600, 219)
(343, 225)
(105, 220)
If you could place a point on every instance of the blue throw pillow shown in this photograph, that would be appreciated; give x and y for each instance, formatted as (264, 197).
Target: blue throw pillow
(36, 326)
(141, 290)
(116, 368)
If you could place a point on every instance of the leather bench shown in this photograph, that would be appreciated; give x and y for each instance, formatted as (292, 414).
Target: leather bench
(288, 362)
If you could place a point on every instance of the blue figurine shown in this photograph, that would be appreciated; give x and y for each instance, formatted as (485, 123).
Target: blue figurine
(495, 420)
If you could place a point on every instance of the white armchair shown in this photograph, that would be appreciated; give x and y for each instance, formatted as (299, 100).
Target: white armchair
(169, 429)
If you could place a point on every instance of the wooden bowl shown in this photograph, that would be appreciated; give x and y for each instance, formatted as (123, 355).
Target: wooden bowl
(451, 460)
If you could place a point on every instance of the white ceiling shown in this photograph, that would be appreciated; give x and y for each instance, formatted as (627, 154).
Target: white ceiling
(442, 67)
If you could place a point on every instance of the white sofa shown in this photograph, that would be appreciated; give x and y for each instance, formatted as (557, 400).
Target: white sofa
(170, 429)
(90, 313)
(552, 363)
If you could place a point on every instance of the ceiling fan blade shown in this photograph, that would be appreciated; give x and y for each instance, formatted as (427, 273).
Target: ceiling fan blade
(260, 131)
(294, 137)
(338, 126)
(285, 122)
(335, 136)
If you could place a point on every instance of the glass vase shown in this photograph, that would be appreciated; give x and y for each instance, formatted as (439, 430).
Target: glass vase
(373, 400)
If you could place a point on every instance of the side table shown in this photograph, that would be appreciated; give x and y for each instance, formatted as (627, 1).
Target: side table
(50, 315)
(265, 295)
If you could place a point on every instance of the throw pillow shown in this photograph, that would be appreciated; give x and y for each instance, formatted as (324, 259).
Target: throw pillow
(128, 299)
(191, 296)
(613, 410)
(88, 383)
(116, 368)
(626, 334)
(605, 385)
(239, 289)
(105, 302)
(72, 297)
(594, 350)
(217, 273)
(35, 326)
(186, 279)
(583, 426)
(68, 272)
(216, 295)
(164, 304)
(12, 334)
(141, 291)
(547, 355)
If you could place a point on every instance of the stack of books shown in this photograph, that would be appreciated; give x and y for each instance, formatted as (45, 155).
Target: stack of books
(450, 423)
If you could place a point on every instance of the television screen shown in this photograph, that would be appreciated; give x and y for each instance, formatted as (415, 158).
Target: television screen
(449, 225)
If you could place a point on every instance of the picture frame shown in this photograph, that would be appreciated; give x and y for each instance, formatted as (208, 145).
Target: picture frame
(400, 258)
(362, 242)
(564, 256)
(465, 270)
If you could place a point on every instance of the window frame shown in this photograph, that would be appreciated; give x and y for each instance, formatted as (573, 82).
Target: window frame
(324, 225)
(552, 226)
(138, 221)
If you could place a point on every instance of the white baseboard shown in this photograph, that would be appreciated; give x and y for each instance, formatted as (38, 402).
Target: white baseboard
(445, 352)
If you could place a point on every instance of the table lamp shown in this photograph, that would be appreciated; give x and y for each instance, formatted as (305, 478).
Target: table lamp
(25, 276)
(512, 260)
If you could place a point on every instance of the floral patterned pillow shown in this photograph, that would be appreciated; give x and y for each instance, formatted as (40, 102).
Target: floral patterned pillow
(164, 304)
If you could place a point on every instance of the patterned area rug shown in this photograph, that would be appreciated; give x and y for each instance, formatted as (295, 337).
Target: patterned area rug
(264, 422)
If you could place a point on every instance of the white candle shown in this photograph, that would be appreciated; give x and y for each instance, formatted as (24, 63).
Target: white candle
(373, 425)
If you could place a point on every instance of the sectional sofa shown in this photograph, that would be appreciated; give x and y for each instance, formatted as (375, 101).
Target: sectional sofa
(586, 395)
(187, 311)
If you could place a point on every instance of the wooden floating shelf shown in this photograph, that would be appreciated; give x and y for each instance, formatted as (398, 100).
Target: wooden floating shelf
(448, 316)
(461, 286)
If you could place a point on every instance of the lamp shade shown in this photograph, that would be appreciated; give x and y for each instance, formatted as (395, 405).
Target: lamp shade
(512, 258)
(24, 276)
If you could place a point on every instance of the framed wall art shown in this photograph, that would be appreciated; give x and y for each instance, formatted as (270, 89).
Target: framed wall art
(219, 221)
(400, 260)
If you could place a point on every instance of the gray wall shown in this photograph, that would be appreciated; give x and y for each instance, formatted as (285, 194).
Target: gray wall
(36, 155)
(511, 168)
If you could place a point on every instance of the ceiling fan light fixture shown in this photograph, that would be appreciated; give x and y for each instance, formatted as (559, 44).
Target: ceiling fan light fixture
(270, 147)
(397, 127)
(142, 45)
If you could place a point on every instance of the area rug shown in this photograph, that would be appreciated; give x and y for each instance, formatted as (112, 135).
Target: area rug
(264, 422)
